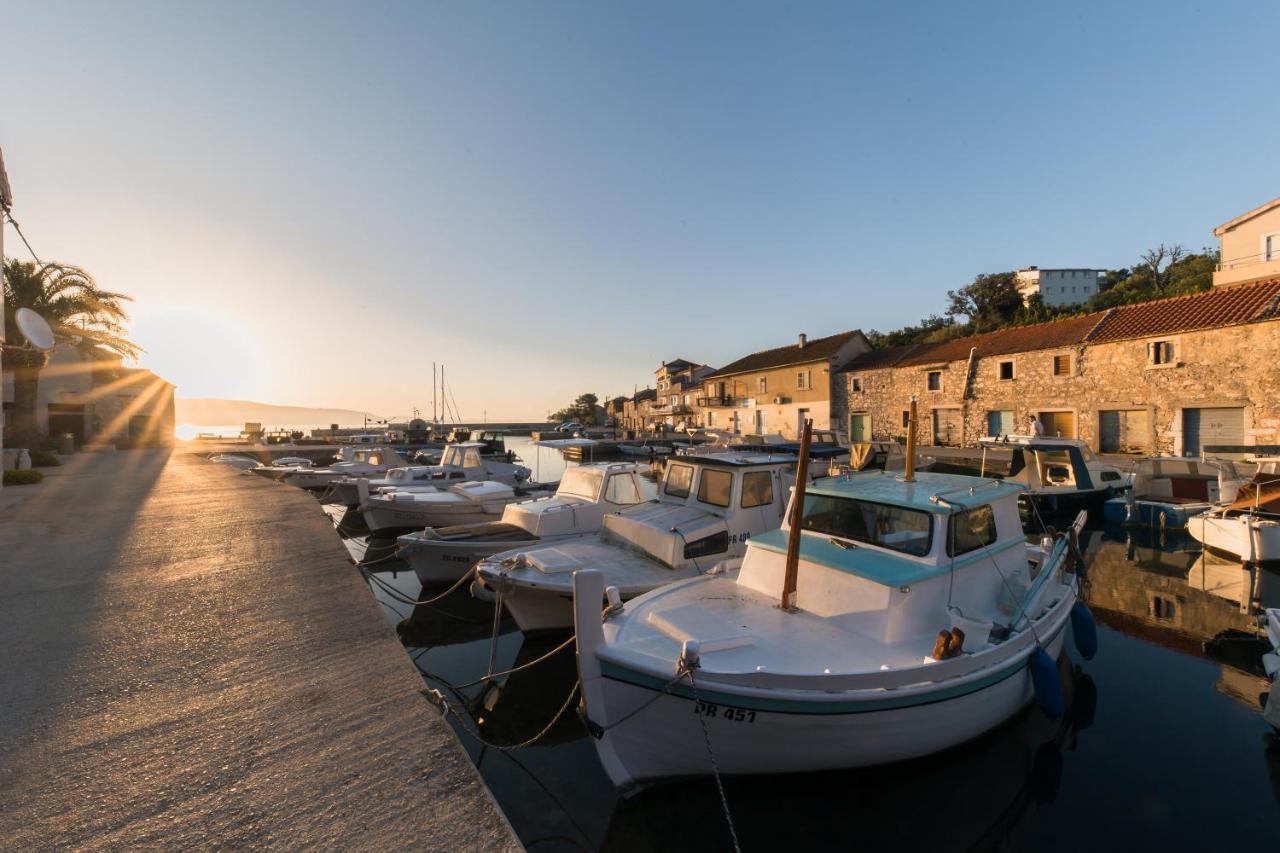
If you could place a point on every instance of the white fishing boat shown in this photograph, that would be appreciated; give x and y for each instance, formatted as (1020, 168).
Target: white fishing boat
(402, 510)
(1248, 527)
(900, 616)
(1057, 473)
(707, 509)
(459, 463)
(363, 462)
(585, 495)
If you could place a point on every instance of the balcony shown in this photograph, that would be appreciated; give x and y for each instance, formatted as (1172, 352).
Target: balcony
(1248, 268)
(720, 402)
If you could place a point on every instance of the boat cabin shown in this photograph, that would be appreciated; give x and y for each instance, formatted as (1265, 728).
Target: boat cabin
(707, 507)
(1052, 466)
(895, 561)
(602, 487)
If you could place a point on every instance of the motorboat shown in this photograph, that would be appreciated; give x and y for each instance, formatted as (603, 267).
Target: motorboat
(1248, 527)
(706, 510)
(458, 463)
(585, 495)
(915, 617)
(235, 460)
(1168, 490)
(359, 461)
(470, 502)
(1056, 473)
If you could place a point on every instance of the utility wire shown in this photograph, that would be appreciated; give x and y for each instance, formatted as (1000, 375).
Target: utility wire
(25, 242)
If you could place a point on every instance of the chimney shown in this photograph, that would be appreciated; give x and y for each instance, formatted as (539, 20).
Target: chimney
(803, 340)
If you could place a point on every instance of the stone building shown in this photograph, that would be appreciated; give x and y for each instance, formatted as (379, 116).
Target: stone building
(774, 390)
(677, 387)
(1170, 376)
(90, 394)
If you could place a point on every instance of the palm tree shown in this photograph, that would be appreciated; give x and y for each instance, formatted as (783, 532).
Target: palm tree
(80, 313)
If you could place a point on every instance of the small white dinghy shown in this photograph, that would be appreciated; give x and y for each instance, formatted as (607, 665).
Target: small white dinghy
(586, 494)
(916, 617)
(363, 462)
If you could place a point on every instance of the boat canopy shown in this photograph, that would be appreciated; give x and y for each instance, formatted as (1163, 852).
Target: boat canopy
(929, 491)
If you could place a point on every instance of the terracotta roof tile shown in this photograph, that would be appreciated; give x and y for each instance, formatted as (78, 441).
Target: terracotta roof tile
(878, 359)
(1059, 333)
(1222, 306)
(818, 349)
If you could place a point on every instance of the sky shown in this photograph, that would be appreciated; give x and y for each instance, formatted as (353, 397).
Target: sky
(313, 202)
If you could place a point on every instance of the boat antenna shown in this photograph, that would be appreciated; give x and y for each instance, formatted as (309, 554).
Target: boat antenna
(434, 418)
(790, 577)
(911, 443)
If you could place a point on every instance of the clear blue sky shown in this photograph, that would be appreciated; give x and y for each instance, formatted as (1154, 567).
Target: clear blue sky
(312, 202)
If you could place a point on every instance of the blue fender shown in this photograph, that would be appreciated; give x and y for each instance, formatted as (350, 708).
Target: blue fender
(1084, 631)
(1044, 676)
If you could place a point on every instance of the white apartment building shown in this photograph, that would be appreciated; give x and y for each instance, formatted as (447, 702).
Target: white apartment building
(1059, 287)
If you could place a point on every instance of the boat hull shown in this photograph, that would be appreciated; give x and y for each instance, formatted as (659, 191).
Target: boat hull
(386, 519)
(751, 733)
(437, 561)
(1151, 513)
(1250, 539)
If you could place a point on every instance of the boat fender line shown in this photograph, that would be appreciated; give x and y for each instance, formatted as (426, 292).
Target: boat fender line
(1084, 631)
(614, 598)
(1044, 677)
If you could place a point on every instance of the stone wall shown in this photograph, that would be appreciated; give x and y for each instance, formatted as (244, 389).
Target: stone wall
(1234, 366)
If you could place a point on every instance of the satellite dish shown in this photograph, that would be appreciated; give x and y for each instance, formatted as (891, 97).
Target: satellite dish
(34, 329)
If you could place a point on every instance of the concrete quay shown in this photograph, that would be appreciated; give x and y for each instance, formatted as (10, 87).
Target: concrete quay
(190, 660)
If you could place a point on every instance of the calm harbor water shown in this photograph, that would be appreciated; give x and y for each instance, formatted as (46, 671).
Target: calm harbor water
(1162, 747)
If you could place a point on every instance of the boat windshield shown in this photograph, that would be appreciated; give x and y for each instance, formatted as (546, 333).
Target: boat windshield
(897, 528)
(580, 483)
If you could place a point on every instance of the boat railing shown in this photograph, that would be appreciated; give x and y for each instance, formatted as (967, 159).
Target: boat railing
(1048, 569)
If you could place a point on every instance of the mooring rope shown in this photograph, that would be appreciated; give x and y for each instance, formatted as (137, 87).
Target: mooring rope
(404, 599)
(715, 769)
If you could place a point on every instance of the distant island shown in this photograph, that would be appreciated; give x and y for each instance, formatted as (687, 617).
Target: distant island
(206, 411)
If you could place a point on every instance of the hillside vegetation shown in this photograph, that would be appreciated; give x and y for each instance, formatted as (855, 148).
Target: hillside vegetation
(991, 301)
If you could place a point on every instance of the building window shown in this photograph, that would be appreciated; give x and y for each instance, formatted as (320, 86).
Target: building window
(1062, 365)
(1160, 352)
(1006, 370)
(762, 385)
(855, 384)
(906, 419)
(802, 381)
(934, 380)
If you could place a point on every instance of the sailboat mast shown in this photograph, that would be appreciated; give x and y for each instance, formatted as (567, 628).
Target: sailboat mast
(911, 444)
(792, 572)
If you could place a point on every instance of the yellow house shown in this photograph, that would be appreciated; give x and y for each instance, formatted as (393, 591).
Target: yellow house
(774, 390)
(1250, 248)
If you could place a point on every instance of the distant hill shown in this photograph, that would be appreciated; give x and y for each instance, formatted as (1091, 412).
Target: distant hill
(205, 411)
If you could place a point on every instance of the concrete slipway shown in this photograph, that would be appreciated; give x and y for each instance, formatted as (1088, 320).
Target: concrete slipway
(188, 659)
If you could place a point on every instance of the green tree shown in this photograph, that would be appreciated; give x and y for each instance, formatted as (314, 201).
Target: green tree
(989, 302)
(585, 410)
(80, 313)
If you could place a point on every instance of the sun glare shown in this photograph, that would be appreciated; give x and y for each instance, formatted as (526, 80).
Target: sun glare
(203, 352)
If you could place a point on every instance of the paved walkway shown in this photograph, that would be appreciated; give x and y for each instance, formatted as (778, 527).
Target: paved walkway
(188, 659)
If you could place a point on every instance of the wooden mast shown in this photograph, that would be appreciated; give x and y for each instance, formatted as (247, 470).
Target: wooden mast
(911, 444)
(791, 575)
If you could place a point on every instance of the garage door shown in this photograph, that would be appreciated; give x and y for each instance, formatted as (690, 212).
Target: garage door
(1000, 423)
(946, 427)
(1207, 427)
(1123, 431)
(1060, 424)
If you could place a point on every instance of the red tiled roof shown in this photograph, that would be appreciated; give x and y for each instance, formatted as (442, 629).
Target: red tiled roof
(1221, 306)
(819, 349)
(877, 359)
(1059, 333)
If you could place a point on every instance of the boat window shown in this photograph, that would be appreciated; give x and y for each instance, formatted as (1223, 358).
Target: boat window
(580, 483)
(716, 543)
(1055, 467)
(971, 530)
(757, 489)
(452, 456)
(896, 528)
(679, 481)
(714, 487)
(622, 489)
(1109, 476)
(471, 459)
